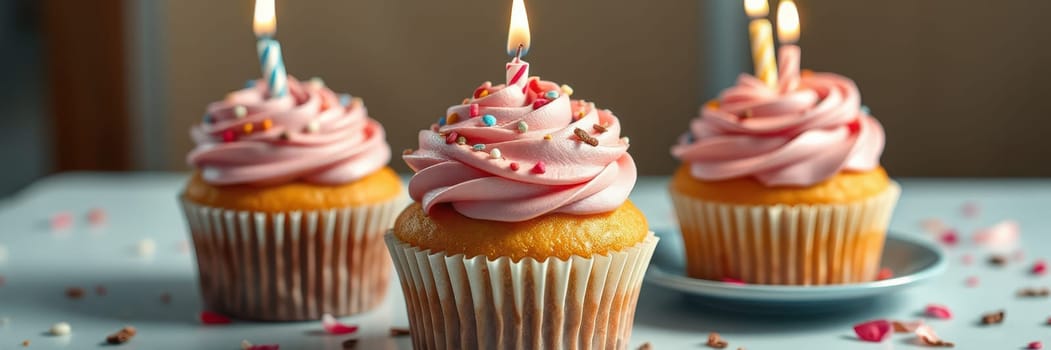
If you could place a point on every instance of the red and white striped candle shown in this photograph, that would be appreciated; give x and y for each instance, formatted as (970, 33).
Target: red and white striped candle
(790, 53)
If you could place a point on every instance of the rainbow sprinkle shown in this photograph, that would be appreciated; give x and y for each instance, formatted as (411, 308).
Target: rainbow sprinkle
(240, 111)
(523, 127)
(479, 147)
(551, 95)
(453, 118)
(495, 154)
(461, 140)
(267, 124)
(344, 100)
(314, 126)
(474, 110)
(488, 119)
(449, 139)
(441, 121)
(248, 128)
(539, 168)
(567, 90)
(513, 166)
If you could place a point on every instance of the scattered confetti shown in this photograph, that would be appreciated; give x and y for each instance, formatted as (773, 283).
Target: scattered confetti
(60, 329)
(927, 336)
(972, 281)
(122, 336)
(1039, 267)
(873, 331)
(732, 281)
(949, 237)
(399, 331)
(246, 345)
(75, 293)
(146, 247)
(993, 317)
(1036, 345)
(333, 326)
(938, 311)
(213, 318)
(884, 274)
(97, 217)
(1034, 292)
(970, 209)
(716, 341)
(1003, 233)
(906, 327)
(61, 221)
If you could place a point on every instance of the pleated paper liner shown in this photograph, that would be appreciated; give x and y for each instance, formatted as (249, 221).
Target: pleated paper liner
(789, 245)
(479, 303)
(290, 266)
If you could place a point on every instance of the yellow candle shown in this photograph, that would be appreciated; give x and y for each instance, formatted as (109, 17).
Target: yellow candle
(762, 35)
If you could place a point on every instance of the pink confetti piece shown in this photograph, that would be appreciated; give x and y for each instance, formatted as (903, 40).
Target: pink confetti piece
(1039, 268)
(970, 209)
(873, 331)
(1036, 345)
(938, 311)
(972, 281)
(884, 274)
(332, 326)
(949, 237)
(213, 318)
(967, 259)
(1003, 233)
(732, 281)
(933, 225)
(905, 326)
(61, 221)
(97, 217)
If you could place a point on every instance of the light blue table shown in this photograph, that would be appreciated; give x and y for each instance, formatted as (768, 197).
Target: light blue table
(42, 264)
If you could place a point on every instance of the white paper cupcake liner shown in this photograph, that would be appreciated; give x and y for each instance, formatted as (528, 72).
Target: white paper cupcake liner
(456, 302)
(780, 244)
(295, 265)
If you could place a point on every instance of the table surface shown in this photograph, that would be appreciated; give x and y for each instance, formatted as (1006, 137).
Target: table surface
(42, 263)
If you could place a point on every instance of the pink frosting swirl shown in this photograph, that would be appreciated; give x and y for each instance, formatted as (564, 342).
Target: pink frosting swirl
(796, 138)
(311, 134)
(542, 166)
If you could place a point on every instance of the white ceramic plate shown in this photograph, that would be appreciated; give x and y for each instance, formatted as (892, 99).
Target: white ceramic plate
(912, 260)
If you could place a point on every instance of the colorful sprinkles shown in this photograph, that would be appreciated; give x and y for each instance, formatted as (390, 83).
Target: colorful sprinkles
(488, 119)
(513, 166)
(539, 168)
(452, 118)
(344, 100)
(551, 95)
(522, 127)
(540, 102)
(495, 154)
(240, 111)
(567, 90)
(478, 147)
(474, 110)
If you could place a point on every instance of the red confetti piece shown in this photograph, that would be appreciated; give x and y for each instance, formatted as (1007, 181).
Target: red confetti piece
(949, 237)
(228, 136)
(970, 209)
(1003, 233)
(972, 281)
(474, 110)
(1036, 345)
(938, 311)
(213, 318)
(97, 216)
(451, 138)
(873, 331)
(1040, 267)
(540, 102)
(885, 273)
(732, 281)
(61, 221)
(539, 168)
(332, 326)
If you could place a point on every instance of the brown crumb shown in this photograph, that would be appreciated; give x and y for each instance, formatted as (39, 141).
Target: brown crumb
(993, 317)
(998, 260)
(398, 331)
(350, 344)
(1034, 292)
(646, 346)
(715, 341)
(25, 343)
(585, 137)
(166, 298)
(599, 128)
(75, 293)
(122, 336)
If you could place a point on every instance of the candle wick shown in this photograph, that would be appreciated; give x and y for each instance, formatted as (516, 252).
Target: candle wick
(518, 53)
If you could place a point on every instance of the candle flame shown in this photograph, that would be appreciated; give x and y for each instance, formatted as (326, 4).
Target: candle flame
(756, 8)
(787, 22)
(518, 34)
(265, 23)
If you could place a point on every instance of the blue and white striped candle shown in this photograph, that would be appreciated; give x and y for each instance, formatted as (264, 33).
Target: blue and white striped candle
(265, 26)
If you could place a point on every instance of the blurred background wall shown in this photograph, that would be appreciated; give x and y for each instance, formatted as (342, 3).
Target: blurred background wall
(957, 85)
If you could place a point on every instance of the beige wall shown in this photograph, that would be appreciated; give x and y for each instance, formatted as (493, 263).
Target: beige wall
(958, 86)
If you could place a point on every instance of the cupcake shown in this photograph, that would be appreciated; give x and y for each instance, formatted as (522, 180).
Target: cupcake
(288, 204)
(521, 235)
(783, 185)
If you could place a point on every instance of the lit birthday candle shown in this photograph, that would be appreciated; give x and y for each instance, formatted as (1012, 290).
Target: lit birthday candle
(762, 35)
(265, 26)
(790, 53)
(518, 44)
